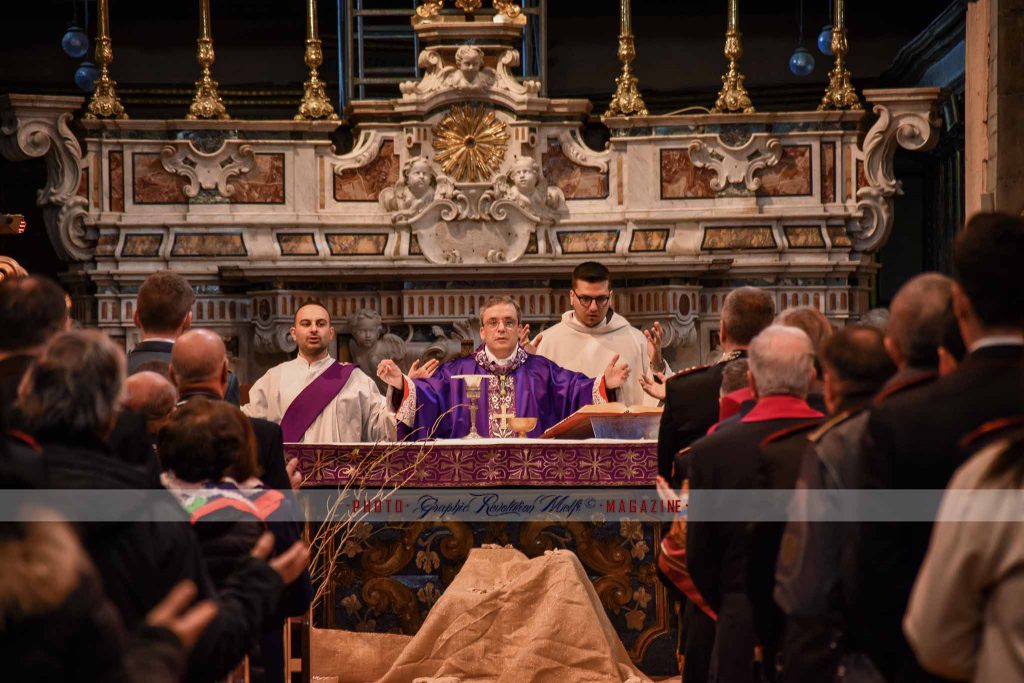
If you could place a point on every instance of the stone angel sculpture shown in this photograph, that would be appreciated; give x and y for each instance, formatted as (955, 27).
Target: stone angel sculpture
(469, 71)
(525, 185)
(418, 186)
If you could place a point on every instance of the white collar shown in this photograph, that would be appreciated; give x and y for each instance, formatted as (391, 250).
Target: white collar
(500, 361)
(157, 339)
(997, 340)
(315, 364)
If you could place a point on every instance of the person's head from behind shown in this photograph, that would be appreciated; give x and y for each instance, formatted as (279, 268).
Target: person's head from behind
(854, 363)
(199, 361)
(74, 388)
(988, 296)
(877, 318)
(500, 319)
(590, 293)
(914, 332)
(164, 305)
(809, 319)
(312, 331)
(151, 395)
(206, 441)
(734, 377)
(781, 362)
(32, 311)
(746, 311)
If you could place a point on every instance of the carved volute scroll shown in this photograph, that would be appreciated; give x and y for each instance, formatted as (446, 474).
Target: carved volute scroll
(736, 165)
(37, 126)
(906, 119)
(208, 171)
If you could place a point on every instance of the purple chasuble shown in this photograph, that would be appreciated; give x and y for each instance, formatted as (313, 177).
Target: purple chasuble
(542, 389)
(312, 400)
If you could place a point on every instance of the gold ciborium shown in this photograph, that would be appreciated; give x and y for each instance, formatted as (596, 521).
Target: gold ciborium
(472, 393)
(522, 425)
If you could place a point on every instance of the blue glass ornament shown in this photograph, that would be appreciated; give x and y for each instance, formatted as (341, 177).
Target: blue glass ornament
(85, 75)
(802, 62)
(75, 42)
(825, 40)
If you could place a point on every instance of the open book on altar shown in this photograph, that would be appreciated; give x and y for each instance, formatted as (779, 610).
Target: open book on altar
(608, 421)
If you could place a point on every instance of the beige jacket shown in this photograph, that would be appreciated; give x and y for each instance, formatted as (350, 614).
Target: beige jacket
(965, 619)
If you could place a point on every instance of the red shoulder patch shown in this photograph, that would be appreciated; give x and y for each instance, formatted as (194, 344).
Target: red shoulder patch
(26, 439)
(991, 429)
(903, 386)
(688, 371)
(790, 431)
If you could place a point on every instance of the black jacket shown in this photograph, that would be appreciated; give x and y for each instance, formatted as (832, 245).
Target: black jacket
(691, 407)
(146, 351)
(142, 557)
(269, 445)
(912, 442)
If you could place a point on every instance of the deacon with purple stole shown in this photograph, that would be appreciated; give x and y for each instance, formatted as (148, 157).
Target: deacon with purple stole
(317, 399)
(517, 384)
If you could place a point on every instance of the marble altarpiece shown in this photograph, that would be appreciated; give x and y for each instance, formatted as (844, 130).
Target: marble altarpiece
(469, 183)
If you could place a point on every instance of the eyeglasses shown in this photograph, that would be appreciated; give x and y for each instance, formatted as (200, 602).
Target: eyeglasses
(601, 301)
(494, 323)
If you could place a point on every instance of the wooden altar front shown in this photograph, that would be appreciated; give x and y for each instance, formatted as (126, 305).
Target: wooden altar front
(386, 575)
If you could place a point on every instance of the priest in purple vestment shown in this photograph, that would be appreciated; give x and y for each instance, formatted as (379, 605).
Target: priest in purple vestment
(517, 384)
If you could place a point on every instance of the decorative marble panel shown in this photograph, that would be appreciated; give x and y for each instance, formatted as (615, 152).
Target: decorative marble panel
(575, 181)
(365, 184)
(138, 246)
(152, 184)
(828, 172)
(116, 184)
(414, 246)
(862, 179)
(649, 240)
(791, 177)
(220, 244)
(105, 244)
(837, 234)
(680, 179)
(588, 241)
(264, 184)
(297, 244)
(369, 244)
(531, 246)
(83, 183)
(804, 237)
(753, 237)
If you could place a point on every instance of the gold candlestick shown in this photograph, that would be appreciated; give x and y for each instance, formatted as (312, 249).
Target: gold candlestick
(104, 104)
(839, 94)
(627, 100)
(207, 103)
(733, 96)
(315, 104)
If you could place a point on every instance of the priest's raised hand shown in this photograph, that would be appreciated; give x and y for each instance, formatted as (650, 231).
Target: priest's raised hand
(616, 374)
(388, 371)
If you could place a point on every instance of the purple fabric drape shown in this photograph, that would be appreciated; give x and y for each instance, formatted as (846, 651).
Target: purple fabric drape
(312, 400)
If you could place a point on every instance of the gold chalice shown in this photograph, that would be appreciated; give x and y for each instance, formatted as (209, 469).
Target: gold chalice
(522, 425)
(472, 393)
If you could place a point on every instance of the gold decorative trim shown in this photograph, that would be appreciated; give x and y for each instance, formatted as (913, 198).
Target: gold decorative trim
(206, 104)
(627, 100)
(839, 94)
(470, 143)
(104, 103)
(733, 96)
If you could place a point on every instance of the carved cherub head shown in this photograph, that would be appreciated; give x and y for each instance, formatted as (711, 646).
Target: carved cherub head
(470, 61)
(419, 176)
(366, 327)
(525, 175)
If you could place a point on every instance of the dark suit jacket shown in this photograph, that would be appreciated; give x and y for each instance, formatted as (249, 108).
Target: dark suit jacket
(146, 351)
(12, 369)
(912, 443)
(269, 444)
(691, 407)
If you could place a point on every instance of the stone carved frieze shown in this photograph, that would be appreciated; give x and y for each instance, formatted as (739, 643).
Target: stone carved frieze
(475, 222)
(908, 122)
(208, 171)
(736, 165)
(35, 126)
(468, 75)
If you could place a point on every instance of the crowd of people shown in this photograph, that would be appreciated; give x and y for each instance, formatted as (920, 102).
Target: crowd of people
(858, 589)
(929, 396)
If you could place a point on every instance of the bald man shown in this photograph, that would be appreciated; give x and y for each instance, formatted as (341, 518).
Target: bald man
(153, 396)
(199, 367)
(317, 399)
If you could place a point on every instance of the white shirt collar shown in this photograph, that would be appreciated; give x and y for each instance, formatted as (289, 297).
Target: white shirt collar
(500, 361)
(997, 340)
(316, 364)
(158, 339)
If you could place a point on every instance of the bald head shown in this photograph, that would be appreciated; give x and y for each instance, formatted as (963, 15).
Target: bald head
(199, 359)
(152, 395)
(312, 331)
(916, 320)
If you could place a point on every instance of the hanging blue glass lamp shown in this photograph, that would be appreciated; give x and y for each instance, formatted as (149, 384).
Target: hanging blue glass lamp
(75, 43)
(825, 40)
(85, 76)
(801, 62)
